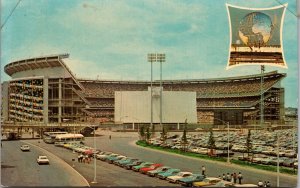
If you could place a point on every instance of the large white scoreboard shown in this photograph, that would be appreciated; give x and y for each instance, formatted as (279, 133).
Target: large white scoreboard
(135, 107)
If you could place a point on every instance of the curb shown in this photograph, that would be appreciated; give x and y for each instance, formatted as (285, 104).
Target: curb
(88, 185)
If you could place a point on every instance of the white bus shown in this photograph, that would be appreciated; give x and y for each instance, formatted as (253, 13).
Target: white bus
(62, 139)
(49, 137)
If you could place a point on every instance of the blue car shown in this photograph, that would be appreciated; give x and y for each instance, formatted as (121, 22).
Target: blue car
(114, 158)
(127, 161)
(128, 166)
(170, 172)
(188, 181)
(158, 170)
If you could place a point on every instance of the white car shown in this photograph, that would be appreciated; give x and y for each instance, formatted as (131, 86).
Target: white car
(42, 159)
(173, 179)
(25, 148)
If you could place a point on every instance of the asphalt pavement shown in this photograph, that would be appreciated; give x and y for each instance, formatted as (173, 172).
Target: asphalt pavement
(20, 168)
(124, 143)
(106, 174)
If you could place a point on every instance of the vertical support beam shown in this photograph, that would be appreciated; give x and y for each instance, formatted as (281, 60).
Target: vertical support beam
(151, 96)
(262, 67)
(45, 100)
(5, 102)
(59, 100)
(160, 94)
(178, 126)
(281, 106)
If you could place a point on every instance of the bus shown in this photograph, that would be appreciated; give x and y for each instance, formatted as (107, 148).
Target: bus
(62, 139)
(49, 137)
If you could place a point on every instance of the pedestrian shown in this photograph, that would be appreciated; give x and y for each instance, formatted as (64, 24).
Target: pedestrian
(260, 183)
(110, 137)
(265, 184)
(224, 177)
(231, 178)
(268, 184)
(78, 158)
(81, 158)
(240, 177)
(203, 170)
(228, 177)
(219, 177)
(234, 177)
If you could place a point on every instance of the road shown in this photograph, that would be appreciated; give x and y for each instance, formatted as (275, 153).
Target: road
(21, 169)
(123, 143)
(111, 175)
(107, 174)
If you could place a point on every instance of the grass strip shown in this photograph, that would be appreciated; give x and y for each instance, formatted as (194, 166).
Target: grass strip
(238, 162)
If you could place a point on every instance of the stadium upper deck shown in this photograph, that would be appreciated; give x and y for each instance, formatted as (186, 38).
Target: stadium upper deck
(233, 99)
(44, 89)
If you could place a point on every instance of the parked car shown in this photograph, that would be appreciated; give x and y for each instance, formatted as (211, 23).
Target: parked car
(126, 161)
(112, 158)
(42, 159)
(144, 170)
(129, 165)
(175, 178)
(103, 155)
(222, 183)
(274, 161)
(25, 148)
(142, 165)
(245, 185)
(188, 181)
(158, 170)
(170, 172)
(116, 162)
(207, 181)
(288, 162)
(266, 160)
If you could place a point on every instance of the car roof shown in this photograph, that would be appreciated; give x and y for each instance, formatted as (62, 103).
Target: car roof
(212, 178)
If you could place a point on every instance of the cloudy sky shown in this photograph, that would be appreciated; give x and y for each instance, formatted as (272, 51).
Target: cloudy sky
(111, 39)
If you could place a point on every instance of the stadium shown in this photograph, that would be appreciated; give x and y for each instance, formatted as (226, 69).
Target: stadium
(44, 90)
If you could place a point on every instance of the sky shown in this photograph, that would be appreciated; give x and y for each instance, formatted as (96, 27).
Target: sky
(110, 40)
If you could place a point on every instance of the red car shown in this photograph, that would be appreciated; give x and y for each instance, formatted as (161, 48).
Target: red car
(152, 167)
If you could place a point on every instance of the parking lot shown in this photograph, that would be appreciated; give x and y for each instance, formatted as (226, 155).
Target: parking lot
(264, 145)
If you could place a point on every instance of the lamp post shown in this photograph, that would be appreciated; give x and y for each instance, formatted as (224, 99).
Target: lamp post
(226, 123)
(262, 96)
(151, 59)
(95, 161)
(156, 57)
(161, 58)
(277, 135)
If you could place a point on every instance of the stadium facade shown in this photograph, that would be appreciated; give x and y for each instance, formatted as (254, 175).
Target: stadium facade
(44, 90)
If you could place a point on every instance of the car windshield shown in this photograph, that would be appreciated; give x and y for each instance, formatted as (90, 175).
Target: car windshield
(180, 174)
(43, 157)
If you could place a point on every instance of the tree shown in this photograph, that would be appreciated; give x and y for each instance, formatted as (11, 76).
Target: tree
(249, 143)
(163, 135)
(184, 139)
(211, 141)
(142, 133)
(148, 134)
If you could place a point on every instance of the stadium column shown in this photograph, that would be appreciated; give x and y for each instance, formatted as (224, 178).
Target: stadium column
(59, 100)
(281, 106)
(45, 100)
